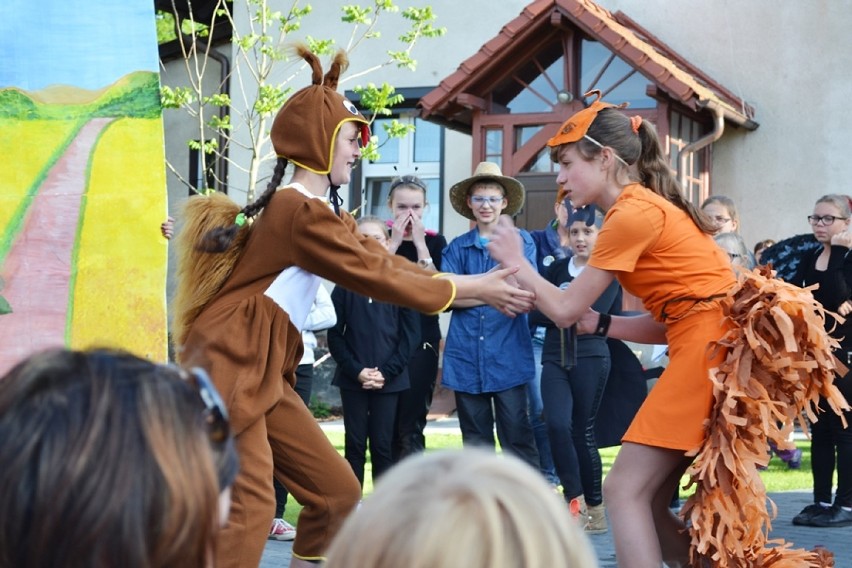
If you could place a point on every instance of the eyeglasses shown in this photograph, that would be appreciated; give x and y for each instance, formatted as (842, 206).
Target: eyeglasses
(480, 200)
(721, 220)
(215, 412)
(824, 220)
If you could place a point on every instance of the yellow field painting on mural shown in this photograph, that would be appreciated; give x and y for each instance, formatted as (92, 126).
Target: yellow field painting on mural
(26, 146)
(119, 298)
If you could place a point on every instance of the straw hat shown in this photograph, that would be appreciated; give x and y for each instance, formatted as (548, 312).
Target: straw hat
(488, 171)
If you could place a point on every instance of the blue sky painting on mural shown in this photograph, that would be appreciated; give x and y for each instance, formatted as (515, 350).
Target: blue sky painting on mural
(89, 44)
(82, 260)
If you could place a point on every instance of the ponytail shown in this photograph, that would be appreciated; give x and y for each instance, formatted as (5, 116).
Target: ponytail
(656, 175)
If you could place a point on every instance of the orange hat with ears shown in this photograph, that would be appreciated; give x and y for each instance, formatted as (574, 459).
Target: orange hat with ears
(578, 125)
(305, 129)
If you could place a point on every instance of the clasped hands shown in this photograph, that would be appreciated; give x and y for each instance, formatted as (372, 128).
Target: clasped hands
(371, 378)
(509, 296)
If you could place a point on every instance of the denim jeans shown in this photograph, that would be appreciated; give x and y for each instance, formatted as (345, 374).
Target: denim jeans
(536, 411)
(478, 414)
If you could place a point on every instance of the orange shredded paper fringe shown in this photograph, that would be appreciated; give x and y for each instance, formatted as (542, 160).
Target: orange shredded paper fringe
(779, 362)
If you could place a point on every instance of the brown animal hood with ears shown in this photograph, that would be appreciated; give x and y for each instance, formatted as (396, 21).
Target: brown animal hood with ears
(305, 129)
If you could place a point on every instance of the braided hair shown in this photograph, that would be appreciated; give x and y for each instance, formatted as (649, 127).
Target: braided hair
(221, 238)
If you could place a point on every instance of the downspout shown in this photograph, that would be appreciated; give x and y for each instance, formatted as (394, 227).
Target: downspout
(224, 89)
(692, 147)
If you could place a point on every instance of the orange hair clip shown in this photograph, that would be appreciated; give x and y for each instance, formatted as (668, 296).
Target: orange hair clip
(635, 122)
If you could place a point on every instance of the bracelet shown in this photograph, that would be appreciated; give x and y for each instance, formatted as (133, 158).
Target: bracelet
(603, 325)
(424, 262)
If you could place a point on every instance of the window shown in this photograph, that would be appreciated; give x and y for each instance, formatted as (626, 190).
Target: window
(494, 146)
(683, 131)
(419, 154)
(618, 81)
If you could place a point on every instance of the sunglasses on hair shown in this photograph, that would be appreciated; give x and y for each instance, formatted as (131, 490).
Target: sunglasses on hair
(215, 413)
(407, 180)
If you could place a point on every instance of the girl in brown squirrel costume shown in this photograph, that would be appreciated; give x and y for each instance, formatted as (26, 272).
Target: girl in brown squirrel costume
(238, 313)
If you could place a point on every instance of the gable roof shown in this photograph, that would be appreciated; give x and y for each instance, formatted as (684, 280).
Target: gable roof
(450, 102)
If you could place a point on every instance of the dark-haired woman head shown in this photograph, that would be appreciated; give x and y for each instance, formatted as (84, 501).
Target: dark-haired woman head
(109, 461)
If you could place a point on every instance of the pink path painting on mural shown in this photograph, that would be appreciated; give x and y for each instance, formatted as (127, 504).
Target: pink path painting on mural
(38, 269)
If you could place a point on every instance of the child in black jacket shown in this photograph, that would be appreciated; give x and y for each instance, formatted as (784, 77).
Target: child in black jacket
(372, 343)
(574, 374)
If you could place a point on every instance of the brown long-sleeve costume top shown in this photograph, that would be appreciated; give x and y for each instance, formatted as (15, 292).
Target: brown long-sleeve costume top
(247, 341)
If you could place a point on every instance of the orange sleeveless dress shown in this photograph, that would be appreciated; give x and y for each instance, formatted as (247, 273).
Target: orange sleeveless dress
(660, 256)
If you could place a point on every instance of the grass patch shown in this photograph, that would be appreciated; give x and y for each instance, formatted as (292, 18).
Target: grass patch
(777, 478)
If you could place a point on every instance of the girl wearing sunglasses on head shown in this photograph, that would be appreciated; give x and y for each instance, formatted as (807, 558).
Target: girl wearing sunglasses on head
(111, 461)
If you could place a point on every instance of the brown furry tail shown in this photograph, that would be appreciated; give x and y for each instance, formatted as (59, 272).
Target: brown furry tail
(200, 275)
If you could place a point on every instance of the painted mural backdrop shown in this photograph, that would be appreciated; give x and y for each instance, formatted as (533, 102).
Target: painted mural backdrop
(82, 178)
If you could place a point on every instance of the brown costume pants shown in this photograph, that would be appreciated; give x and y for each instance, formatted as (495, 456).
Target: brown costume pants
(308, 466)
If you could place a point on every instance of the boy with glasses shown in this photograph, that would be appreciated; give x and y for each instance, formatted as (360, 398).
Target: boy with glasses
(488, 357)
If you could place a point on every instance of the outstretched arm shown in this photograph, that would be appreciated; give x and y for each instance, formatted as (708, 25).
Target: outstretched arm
(493, 288)
(564, 307)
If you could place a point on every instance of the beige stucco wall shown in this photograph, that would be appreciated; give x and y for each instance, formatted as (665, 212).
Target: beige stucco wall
(786, 58)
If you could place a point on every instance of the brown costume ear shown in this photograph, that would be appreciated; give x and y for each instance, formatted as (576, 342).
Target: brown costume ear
(306, 126)
(338, 66)
(305, 53)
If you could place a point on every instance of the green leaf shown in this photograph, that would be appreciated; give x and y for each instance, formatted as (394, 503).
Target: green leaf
(180, 96)
(320, 46)
(5, 308)
(356, 15)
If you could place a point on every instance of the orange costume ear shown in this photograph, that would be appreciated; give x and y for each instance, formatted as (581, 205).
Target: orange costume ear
(578, 125)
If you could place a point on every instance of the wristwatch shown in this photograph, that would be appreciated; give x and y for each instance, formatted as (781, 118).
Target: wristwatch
(424, 262)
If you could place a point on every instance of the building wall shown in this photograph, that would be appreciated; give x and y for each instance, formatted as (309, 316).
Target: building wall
(788, 60)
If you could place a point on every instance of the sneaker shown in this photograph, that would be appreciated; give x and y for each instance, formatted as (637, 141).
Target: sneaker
(577, 508)
(596, 522)
(281, 530)
(807, 514)
(795, 461)
(836, 516)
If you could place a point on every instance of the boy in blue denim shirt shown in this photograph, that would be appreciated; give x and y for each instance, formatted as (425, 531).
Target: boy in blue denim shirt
(488, 357)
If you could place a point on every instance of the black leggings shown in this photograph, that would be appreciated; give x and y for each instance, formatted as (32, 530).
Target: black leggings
(571, 401)
(831, 446)
(414, 403)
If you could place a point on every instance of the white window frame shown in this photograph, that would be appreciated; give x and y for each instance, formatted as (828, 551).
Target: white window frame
(406, 165)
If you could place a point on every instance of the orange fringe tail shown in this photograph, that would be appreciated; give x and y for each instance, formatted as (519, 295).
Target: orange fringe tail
(779, 361)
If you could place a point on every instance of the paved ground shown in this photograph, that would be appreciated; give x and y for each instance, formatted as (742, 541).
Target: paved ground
(838, 540)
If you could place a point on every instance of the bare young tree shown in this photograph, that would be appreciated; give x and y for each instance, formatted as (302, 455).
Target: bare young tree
(246, 98)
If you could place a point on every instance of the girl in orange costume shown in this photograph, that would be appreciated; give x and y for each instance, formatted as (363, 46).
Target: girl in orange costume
(239, 313)
(661, 250)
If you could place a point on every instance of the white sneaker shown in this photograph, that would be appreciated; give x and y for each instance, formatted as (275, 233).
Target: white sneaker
(281, 530)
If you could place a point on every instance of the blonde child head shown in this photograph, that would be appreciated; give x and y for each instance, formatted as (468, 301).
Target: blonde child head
(466, 508)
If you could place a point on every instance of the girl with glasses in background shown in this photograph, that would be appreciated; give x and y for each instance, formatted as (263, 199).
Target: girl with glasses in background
(830, 266)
